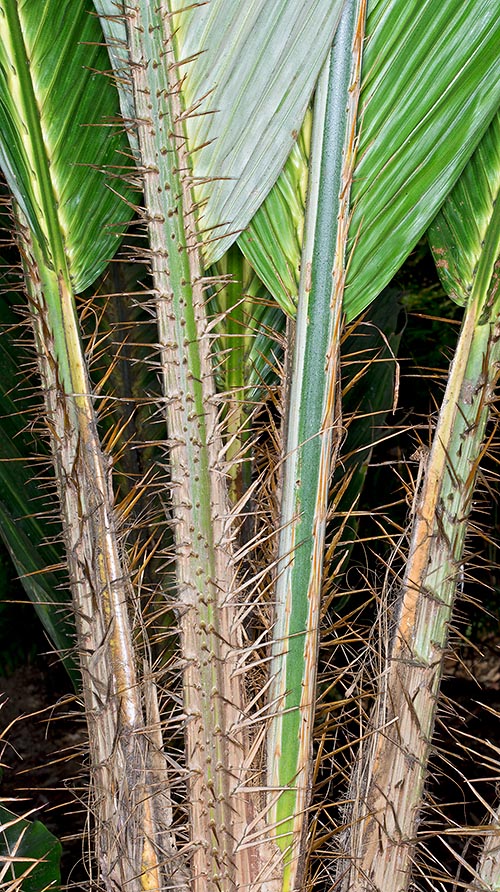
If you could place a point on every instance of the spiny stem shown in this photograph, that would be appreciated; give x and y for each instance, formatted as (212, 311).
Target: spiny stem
(124, 765)
(385, 813)
(129, 851)
(221, 812)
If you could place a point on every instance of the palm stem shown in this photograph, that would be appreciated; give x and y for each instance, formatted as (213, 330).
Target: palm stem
(314, 435)
(488, 868)
(221, 811)
(393, 763)
(124, 767)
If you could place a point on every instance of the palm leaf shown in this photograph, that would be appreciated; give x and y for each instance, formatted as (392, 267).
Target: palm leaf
(457, 234)
(253, 56)
(50, 57)
(30, 855)
(28, 539)
(272, 241)
(424, 69)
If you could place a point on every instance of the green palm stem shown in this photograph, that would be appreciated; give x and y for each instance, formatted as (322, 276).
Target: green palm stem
(314, 435)
(125, 765)
(221, 811)
(248, 323)
(393, 762)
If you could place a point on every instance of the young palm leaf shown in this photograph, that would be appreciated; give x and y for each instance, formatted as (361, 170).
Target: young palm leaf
(465, 238)
(52, 152)
(272, 242)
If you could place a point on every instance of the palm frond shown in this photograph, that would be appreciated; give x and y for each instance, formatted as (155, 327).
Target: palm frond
(423, 69)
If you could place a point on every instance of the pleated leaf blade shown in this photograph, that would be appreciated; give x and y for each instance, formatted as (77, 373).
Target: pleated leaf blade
(249, 70)
(457, 234)
(429, 91)
(272, 242)
(58, 112)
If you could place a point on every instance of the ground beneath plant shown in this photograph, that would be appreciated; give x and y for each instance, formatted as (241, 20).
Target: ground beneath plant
(43, 741)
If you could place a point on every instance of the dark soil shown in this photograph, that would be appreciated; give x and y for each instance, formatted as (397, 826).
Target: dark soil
(43, 737)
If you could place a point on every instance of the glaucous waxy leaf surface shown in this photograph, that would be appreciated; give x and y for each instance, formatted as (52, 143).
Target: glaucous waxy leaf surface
(248, 71)
(256, 64)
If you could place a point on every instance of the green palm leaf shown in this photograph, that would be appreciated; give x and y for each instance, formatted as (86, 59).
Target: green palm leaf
(259, 67)
(50, 87)
(457, 234)
(424, 69)
(30, 855)
(272, 241)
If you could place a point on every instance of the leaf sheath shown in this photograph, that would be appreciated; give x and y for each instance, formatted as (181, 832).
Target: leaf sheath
(314, 436)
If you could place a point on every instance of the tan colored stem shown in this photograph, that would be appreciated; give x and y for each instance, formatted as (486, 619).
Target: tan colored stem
(133, 838)
(389, 784)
